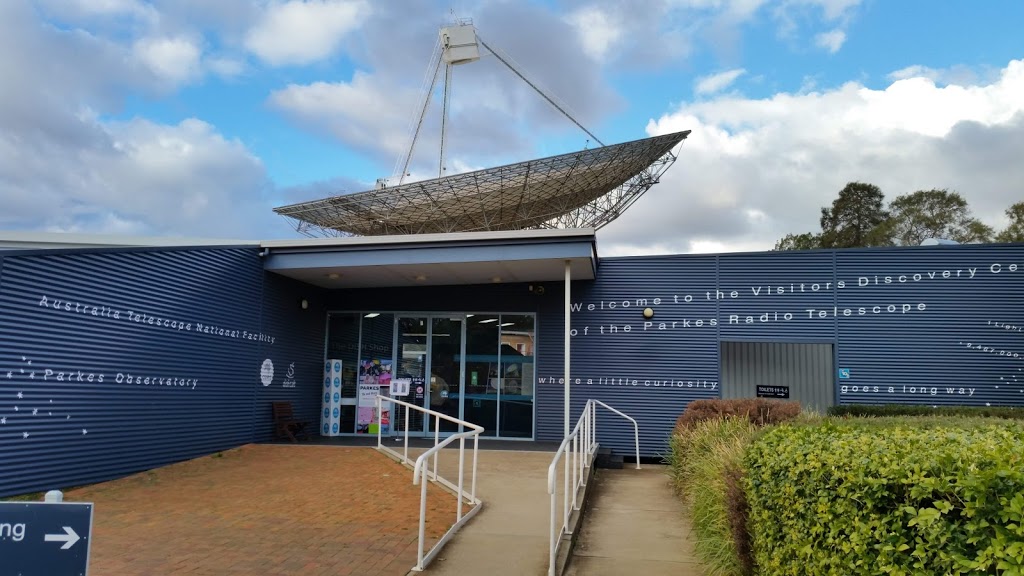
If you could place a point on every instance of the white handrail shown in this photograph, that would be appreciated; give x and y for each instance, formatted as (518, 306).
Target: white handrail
(636, 429)
(420, 472)
(581, 451)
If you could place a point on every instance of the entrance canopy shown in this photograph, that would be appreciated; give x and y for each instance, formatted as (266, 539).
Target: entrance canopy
(435, 259)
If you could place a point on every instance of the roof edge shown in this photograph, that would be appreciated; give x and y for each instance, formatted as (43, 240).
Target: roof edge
(19, 240)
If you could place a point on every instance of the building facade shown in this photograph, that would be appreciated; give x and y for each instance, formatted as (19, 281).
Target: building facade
(116, 359)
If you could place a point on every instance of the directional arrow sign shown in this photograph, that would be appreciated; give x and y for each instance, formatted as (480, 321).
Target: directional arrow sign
(43, 538)
(69, 537)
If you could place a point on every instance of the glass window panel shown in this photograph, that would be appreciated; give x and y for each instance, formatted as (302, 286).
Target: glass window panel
(516, 392)
(375, 369)
(342, 344)
(481, 398)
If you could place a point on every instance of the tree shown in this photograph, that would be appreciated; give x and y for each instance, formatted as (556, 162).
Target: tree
(854, 217)
(933, 214)
(805, 241)
(1015, 231)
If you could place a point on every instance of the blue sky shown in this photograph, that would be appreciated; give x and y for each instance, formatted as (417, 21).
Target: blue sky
(193, 118)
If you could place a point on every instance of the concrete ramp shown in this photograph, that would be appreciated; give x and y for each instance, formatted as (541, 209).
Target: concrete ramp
(634, 524)
(510, 534)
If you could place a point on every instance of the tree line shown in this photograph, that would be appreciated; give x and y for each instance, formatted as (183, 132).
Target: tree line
(859, 217)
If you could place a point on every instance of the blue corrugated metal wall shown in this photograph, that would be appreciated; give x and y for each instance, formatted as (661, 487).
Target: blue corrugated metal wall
(649, 369)
(954, 334)
(116, 361)
(297, 355)
(932, 326)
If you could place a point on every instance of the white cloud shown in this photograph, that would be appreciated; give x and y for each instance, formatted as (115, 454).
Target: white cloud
(301, 32)
(366, 112)
(754, 170)
(832, 40)
(915, 71)
(136, 177)
(225, 67)
(717, 82)
(597, 31)
(99, 9)
(175, 60)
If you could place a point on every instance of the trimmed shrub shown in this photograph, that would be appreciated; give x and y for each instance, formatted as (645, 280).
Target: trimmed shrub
(759, 411)
(846, 498)
(920, 410)
(705, 464)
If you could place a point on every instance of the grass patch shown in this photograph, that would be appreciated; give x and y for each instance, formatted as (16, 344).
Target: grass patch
(705, 469)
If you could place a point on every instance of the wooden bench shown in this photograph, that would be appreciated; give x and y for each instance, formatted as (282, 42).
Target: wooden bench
(285, 424)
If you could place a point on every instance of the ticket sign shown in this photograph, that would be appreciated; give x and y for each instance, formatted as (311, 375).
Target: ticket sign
(44, 538)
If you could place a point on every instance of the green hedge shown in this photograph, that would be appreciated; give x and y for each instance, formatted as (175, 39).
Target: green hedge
(843, 498)
(918, 410)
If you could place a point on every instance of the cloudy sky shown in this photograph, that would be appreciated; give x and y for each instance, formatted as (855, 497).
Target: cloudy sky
(196, 117)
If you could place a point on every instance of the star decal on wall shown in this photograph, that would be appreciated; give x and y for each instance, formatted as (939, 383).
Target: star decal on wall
(31, 401)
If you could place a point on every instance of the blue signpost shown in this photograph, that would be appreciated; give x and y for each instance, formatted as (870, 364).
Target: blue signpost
(45, 538)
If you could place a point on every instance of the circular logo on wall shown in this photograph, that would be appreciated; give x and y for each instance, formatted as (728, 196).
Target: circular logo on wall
(267, 372)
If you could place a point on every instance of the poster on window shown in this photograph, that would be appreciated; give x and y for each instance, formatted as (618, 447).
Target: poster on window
(375, 371)
(366, 415)
(374, 379)
(400, 386)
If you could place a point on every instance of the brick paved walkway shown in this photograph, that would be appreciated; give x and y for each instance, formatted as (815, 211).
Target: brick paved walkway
(264, 510)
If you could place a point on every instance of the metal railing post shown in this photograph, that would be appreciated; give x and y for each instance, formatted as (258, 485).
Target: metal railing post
(472, 489)
(565, 495)
(553, 542)
(405, 454)
(462, 459)
(423, 524)
(437, 439)
(380, 442)
(575, 457)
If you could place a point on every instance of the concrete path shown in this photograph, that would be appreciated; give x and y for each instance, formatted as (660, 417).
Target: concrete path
(510, 534)
(634, 525)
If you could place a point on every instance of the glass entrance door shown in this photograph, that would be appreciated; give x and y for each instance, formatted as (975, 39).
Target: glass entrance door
(446, 367)
(411, 343)
(429, 351)
(474, 367)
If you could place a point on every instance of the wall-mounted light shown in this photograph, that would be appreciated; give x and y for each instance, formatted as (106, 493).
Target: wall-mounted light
(304, 303)
(648, 313)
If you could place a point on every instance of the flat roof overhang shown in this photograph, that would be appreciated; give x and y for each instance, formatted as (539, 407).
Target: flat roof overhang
(436, 259)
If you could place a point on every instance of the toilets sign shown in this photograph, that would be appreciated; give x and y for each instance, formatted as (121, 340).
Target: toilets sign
(45, 538)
